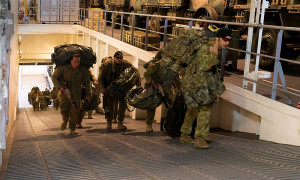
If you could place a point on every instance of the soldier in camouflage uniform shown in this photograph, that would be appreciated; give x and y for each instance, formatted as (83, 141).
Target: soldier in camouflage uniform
(46, 95)
(68, 79)
(55, 98)
(108, 72)
(35, 98)
(83, 110)
(200, 85)
(158, 76)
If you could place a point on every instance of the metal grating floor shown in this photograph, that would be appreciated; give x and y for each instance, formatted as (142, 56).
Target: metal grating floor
(40, 150)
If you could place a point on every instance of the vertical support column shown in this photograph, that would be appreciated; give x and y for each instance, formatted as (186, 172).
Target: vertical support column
(132, 30)
(249, 43)
(278, 70)
(105, 21)
(265, 5)
(93, 21)
(122, 26)
(223, 63)
(166, 32)
(112, 24)
(191, 24)
(147, 29)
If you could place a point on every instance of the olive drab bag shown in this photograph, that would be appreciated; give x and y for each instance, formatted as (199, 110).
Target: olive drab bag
(143, 99)
(62, 55)
(121, 85)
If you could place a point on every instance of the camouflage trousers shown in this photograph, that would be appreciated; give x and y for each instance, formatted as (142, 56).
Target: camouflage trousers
(35, 106)
(202, 114)
(112, 109)
(55, 103)
(81, 115)
(151, 113)
(69, 111)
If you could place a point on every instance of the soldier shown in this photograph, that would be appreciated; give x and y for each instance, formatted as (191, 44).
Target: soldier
(200, 85)
(68, 79)
(115, 105)
(83, 109)
(161, 78)
(46, 95)
(55, 98)
(35, 96)
(108, 72)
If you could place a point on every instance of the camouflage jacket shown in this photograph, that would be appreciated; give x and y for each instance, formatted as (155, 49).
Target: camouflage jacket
(54, 93)
(73, 79)
(106, 74)
(201, 82)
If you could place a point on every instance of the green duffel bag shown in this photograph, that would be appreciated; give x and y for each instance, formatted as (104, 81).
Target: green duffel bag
(145, 100)
(127, 80)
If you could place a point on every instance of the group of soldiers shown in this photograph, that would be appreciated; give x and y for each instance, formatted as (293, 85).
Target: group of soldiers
(42, 99)
(196, 77)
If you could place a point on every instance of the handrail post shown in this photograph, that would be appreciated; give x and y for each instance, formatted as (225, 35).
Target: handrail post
(132, 30)
(105, 16)
(147, 29)
(166, 32)
(112, 24)
(122, 25)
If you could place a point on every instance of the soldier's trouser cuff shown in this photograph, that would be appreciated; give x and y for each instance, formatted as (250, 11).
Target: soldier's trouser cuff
(202, 128)
(150, 116)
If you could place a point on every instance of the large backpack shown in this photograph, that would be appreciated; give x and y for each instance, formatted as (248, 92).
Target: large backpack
(62, 55)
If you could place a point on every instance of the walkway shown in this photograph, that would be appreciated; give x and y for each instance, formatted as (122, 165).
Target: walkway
(40, 150)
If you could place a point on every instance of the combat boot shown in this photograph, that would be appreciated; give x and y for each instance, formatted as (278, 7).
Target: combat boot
(73, 132)
(149, 128)
(184, 138)
(79, 125)
(63, 126)
(114, 121)
(121, 126)
(108, 125)
(201, 143)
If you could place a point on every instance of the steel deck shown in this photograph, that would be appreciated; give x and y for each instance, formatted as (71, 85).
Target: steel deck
(40, 150)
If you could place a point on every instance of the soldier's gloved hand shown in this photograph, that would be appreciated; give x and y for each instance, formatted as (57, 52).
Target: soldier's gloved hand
(103, 91)
(62, 89)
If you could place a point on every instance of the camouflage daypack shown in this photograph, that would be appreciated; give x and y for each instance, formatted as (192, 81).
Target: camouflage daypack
(143, 99)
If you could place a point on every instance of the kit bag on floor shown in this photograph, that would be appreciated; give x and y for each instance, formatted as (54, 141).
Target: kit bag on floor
(175, 117)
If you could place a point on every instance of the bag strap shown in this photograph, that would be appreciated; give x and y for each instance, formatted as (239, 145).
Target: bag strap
(129, 109)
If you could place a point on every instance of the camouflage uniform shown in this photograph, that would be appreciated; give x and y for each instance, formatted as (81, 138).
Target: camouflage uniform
(105, 78)
(72, 79)
(200, 85)
(55, 98)
(166, 77)
(82, 109)
(35, 98)
(46, 95)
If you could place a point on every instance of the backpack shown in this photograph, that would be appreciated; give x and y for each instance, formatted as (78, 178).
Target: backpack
(145, 100)
(62, 55)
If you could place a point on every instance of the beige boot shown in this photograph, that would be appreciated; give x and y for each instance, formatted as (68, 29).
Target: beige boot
(63, 126)
(73, 132)
(121, 126)
(201, 143)
(108, 125)
(149, 128)
(184, 138)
